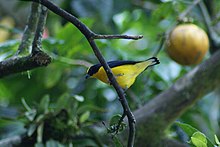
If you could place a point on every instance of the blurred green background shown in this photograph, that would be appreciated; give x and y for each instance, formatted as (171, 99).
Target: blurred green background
(61, 88)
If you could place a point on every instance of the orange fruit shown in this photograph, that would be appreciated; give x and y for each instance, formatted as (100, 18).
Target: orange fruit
(187, 44)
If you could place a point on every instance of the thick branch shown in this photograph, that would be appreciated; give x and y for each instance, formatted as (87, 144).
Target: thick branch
(165, 108)
(37, 58)
(20, 64)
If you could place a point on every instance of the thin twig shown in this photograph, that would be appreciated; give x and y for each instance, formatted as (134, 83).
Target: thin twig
(206, 16)
(36, 45)
(214, 37)
(90, 37)
(120, 92)
(184, 13)
(120, 121)
(29, 30)
(160, 47)
(70, 61)
(74, 61)
(97, 36)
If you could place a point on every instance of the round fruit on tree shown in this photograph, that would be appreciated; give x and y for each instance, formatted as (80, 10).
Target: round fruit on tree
(187, 44)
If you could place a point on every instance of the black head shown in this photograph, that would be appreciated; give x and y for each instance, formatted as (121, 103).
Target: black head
(92, 70)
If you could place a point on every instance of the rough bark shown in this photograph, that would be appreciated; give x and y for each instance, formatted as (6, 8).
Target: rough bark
(19, 64)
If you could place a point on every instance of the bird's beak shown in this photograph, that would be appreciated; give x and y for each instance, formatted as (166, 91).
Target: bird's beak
(87, 76)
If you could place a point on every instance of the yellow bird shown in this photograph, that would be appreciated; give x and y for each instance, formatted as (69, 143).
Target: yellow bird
(125, 72)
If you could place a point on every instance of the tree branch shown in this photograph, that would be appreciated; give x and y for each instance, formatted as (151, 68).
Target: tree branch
(158, 114)
(29, 30)
(213, 36)
(182, 16)
(19, 64)
(90, 36)
(37, 58)
(36, 45)
(97, 36)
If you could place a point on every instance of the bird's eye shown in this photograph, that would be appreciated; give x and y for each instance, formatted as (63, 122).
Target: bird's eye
(87, 76)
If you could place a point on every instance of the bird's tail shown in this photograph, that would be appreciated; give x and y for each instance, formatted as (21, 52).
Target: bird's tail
(151, 62)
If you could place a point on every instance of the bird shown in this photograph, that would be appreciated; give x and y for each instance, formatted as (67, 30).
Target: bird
(125, 72)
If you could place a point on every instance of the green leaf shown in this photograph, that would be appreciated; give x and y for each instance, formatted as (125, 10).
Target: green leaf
(51, 80)
(198, 143)
(62, 101)
(84, 117)
(115, 119)
(89, 107)
(40, 133)
(70, 40)
(189, 130)
(217, 141)
(73, 45)
(31, 114)
(79, 98)
(31, 129)
(9, 45)
(44, 104)
(39, 145)
(117, 142)
(29, 74)
(10, 128)
(159, 12)
(5, 92)
(114, 124)
(53, 143)
(87, 8)
(40, 118)
(200, 136)
(25, 105)
(199, 139)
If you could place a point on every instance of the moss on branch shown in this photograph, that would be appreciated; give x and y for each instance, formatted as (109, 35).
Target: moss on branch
(19, 64)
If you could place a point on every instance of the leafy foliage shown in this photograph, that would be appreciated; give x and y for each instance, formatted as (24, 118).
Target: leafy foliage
(58, 122)
(197, 138)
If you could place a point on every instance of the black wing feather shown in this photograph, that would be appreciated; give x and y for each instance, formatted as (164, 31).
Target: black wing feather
(119, 63)
(93, 69)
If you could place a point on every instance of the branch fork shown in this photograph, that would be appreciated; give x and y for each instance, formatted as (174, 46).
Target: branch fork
(91, 36)
(23, 60)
